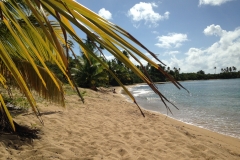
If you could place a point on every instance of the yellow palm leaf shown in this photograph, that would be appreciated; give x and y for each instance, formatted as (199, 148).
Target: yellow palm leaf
(17, 76)
(6, 112)
(43, 41)
(51, 91)
(110, 36)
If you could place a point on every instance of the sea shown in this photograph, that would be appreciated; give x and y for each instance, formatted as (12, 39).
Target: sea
(210, 104)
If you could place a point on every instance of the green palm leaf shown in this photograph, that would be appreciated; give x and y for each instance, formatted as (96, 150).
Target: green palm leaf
(28, 34)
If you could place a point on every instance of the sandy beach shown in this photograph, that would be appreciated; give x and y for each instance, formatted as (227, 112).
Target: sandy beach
(108, 127)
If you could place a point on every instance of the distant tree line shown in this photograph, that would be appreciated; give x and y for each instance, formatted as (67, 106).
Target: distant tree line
(87, 72)
(226, 73)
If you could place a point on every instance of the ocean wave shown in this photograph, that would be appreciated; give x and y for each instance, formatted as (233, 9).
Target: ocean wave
(153, 98)
(141, 85)
(141, 92)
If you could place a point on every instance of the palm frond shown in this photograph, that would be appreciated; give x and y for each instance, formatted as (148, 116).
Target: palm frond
(110, 36)
(28, 34)
(50, 92)
(4, 112)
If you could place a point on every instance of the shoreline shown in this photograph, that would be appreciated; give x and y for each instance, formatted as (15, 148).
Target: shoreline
(121, 91)
(107, 126)
(191, 127)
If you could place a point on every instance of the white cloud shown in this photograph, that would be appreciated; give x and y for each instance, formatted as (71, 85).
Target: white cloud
(214, 30)
(177, 63)
(105, 14)
(223, 53)
(212, 2)
(171, 40)
(136, 63)
(173, 52)
(110, 57)
(155, 32)
(144, 11)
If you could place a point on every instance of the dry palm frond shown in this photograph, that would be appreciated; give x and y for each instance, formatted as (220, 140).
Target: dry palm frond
(50, 91)
(25, 41)
(108, 35)
(28, 34)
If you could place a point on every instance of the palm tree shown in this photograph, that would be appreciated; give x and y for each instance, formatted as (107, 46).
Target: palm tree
(234, 68)
(120, 71)
(89, 73)
(168, 69)
(29, 36)
(215, 69)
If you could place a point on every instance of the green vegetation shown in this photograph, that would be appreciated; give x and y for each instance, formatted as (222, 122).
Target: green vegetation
(35, 55)
(128, 77)
(34, 37)
(88, 73)
(122, 72)
(226, 73)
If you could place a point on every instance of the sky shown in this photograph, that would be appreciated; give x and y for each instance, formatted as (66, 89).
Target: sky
(191, 35)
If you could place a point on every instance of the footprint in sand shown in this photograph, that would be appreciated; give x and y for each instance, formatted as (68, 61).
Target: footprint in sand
(139, 134)
(142, 158)
(55, 150)
(126, 135)
(122, 152)
(143, 141)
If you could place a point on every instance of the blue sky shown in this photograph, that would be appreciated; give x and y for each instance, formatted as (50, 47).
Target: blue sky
(191, 35)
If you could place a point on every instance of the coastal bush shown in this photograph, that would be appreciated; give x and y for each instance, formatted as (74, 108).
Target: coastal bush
(34, 33)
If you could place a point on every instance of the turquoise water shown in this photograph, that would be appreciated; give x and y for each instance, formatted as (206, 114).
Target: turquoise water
(211, 104)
